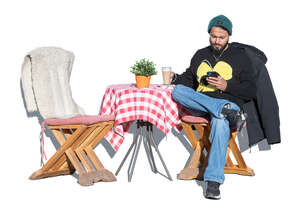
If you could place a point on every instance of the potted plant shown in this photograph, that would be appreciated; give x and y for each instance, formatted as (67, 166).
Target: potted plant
(143, 70)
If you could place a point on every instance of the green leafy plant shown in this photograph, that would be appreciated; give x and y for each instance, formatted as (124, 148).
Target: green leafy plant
(143, 67)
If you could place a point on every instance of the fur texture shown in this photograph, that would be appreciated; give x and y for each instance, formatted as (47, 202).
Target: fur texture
(45, 80)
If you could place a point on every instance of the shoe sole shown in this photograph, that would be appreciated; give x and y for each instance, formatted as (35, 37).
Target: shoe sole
(212, 197)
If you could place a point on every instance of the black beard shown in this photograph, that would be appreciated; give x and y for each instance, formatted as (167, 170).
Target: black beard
(217, 52)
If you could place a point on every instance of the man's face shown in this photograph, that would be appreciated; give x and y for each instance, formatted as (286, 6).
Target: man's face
(218, 39)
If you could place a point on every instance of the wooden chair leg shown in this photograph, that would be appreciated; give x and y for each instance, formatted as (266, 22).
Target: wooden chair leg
(190, 134)
(59, 163)
(46, 170)
(67, 167)
(84, 160)
(192, 171)
(93, 157)
(241, 167)
(229, 162)
(75, 161)
(103, 174)
(63, 161)
(206, 145)
(95, 169)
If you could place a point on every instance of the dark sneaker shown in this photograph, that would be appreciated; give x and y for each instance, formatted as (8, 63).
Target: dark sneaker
(212, 191)
(236, 118)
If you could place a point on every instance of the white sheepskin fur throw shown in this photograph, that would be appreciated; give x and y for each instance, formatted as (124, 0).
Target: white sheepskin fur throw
(45, 81)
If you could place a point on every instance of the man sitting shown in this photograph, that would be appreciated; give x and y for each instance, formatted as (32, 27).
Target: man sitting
(217, 83)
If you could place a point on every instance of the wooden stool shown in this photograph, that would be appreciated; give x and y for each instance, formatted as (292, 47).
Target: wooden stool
(77, 136)
(199, 160)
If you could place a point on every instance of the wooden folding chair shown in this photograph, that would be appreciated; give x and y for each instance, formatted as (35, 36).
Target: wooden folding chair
(201, 146)
(77, 137)
(47, 94)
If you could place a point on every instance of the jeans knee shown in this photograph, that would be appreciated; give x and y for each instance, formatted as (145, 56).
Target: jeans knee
(177, 92)
(234, 106)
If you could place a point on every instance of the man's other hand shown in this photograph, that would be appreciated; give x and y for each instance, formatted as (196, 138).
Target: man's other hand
(218, 82)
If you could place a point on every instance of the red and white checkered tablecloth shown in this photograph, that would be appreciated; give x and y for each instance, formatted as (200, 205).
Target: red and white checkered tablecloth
(129, 103)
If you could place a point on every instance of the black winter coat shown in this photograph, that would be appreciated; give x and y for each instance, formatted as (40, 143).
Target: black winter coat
(263, 111)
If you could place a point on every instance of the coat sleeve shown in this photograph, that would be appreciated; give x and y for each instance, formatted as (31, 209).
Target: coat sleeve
(268, 106)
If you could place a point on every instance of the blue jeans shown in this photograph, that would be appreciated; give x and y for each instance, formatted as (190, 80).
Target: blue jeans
(199, 104)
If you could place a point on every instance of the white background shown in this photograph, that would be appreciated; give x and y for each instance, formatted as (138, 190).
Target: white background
(107, 37)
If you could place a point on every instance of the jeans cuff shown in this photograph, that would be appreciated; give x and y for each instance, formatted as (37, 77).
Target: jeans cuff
(214, 179)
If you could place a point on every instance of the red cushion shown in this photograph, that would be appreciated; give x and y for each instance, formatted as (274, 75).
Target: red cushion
(193, 119)
(80, 120)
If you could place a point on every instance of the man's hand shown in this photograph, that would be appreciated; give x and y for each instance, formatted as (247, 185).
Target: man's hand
(218, 82)
(171, 76)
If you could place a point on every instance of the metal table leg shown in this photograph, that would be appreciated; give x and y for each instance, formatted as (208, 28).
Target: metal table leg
(145, 134)
(149, 153)
(159, 154)
(128, 152)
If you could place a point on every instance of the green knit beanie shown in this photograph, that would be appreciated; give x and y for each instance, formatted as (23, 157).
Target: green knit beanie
(221, 21)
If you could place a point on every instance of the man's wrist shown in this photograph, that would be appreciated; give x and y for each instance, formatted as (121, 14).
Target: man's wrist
(174, 78)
